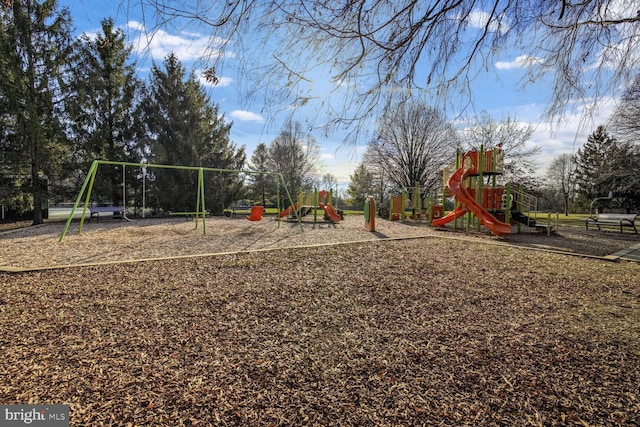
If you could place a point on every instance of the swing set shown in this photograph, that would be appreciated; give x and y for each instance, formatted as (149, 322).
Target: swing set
(199, 212)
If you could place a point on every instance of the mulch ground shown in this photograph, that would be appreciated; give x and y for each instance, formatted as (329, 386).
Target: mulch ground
(426, 331)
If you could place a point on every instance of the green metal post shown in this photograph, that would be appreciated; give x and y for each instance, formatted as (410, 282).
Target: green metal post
(519, 204)
(200, 204)
(315, 206)
(198, 198)
(404, 203)
(279, 175)
(417, 202)
(91, 173)
(87, 199)
(94, 167)
(278, 202)
(507, 201)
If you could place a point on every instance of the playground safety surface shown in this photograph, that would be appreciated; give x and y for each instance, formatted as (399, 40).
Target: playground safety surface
(126, 241)
(446, 329)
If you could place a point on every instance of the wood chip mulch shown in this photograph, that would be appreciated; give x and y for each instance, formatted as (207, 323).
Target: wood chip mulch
(427, 331)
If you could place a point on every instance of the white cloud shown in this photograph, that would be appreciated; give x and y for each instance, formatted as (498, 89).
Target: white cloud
(185, 45)
(570, 135)
(222, 81)
(620, 9)
(246, 116)
(521, 61)
(136, 26)
(480, 19)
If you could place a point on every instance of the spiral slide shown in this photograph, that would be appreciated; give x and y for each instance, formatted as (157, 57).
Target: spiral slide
(455, 185)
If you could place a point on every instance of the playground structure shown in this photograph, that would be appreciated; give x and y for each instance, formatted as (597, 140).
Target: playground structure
(412, 206)
(312, 202)
(200, 211)
(495, 207)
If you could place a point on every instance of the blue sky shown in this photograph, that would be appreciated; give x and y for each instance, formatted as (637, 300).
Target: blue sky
(498, 92)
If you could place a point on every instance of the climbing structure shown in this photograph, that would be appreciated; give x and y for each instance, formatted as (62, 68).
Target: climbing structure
(490, 203)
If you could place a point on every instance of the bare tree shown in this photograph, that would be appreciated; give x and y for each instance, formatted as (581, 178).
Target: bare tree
(295, 155)
(413, 142)
(380, 181)
(373, 49)
(509, 134)
(560, 179)
(329, 181)
(625, 120)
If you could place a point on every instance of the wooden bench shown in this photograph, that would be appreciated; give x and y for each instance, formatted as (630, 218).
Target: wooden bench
(621, 220)
(113, 211)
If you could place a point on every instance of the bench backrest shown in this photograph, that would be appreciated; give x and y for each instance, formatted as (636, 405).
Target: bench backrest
(616, 217)
(106, 209)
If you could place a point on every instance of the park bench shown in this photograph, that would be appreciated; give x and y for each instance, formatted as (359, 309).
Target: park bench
(240, 209)
(114, 212)
(611, 219)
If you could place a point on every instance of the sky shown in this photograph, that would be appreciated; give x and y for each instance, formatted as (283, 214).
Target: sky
(498, 93)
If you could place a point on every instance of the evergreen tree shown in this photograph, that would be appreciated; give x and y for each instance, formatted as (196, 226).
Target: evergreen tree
(595, 166)
(262, 186)
(625, 176)
(34, 47)
(103, 108)
(185, 129)
(361, 186)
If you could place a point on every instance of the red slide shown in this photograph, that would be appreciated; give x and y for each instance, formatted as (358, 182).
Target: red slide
(455, 185)
(288, 211)
(331, 214)
(458, 213)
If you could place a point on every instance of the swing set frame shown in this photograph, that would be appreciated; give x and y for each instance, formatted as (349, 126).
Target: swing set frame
(87, 187)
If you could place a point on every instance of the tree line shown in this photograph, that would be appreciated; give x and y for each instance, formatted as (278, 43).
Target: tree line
(66, 103)
(413, 143)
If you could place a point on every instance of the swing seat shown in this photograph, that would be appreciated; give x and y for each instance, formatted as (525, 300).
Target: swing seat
(256, 213)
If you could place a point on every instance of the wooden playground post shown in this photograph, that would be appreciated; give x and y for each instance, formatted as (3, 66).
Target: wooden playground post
(370, 214)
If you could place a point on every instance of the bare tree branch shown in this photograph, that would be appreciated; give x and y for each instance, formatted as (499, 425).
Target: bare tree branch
(370, 50)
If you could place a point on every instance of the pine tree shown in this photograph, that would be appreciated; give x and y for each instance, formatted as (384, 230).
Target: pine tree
(185, 129)
(361, 185)
(595, 166)
(625, 176)
(262, 186)
(34, 46)
(103, 108)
